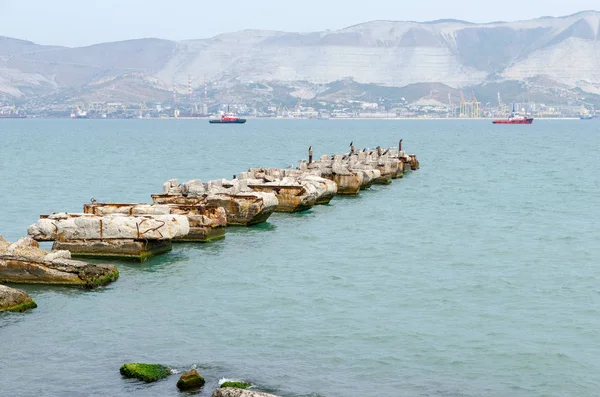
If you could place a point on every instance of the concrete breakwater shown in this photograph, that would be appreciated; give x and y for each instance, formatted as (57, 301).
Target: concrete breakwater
(24, 262)
(311, 183)
(359, 170)
(199, 211)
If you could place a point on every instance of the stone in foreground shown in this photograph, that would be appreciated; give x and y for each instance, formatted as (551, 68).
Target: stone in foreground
(145, 372)
(234, 392)
(24, 262)
(190, 380)
(15, 300)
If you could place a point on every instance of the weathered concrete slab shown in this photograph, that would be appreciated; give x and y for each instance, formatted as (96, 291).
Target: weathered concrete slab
(128, 249)
(130, 209)
(66, 227)
(24, 262)
(348, 185)
(262, 179)
(206, 222)
(241, 209)
(327, 189)
(15, 300)
(291, 198)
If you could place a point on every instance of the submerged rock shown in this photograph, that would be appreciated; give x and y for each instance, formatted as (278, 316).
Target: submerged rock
(234, 392)
(190, 380)
(24, 262)
(235, 384)
(145, 372)
(15, 300)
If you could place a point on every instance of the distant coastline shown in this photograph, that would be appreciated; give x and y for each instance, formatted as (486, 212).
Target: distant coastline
(308, 118)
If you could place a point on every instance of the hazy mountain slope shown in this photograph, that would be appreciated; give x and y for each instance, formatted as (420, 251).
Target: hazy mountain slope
(565, 51)
(54, 68)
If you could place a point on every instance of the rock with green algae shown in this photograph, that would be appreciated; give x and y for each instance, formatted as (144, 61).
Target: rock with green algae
(190, 380)
(145, 372)
(234, 392)
(235, 384)
(15, 300)
(24, 262)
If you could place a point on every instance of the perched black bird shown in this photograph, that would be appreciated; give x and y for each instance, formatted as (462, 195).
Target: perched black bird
(351, 143)
(310, 148)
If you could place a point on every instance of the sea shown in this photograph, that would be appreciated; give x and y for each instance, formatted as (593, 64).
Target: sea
(477, 275)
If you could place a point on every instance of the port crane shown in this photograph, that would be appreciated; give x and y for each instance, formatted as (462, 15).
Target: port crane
(470, 109)
(476, 106)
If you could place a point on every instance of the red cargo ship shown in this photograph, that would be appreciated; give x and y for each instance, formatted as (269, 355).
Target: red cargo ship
(514, 120)
(227, 118)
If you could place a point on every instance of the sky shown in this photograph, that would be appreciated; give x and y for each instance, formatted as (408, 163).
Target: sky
(79, 23)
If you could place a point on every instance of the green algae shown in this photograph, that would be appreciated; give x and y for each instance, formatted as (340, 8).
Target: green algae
(103, 280)
(236, 385)
(28, 305)
(145, 372)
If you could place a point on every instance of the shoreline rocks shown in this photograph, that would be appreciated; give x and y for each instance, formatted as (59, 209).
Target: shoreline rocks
(190, 380)
(15, 300)
(24, 262)
(145, 372)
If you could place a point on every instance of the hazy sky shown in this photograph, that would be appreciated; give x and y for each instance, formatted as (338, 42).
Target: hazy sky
(77, 23)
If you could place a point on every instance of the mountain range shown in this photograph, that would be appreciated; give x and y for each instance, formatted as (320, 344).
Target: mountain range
(554, 55)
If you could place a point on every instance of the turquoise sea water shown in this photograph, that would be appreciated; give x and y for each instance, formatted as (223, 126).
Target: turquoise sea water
(478, 275)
